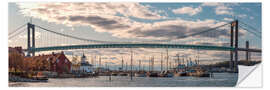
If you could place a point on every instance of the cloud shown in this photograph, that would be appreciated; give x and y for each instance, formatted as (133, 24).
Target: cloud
(104, 17)
(228, 19)
(251, 17)
(220, 8)
(125, 9)
(242, 16)
(211, 4)
(187, 10)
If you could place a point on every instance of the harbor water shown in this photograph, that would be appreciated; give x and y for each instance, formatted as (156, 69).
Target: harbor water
(219, 80)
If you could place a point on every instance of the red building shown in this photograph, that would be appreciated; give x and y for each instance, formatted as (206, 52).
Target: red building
(55, 62)
(59, 63)
(16, 50)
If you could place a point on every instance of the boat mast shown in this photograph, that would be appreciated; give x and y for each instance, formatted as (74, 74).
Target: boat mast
(139, 65)
(170, 65)
(122, 68)
(161, 63)
(131, 59)
(126, 66)
(167, 59)
(100, 61)
(178, 61)
(153, 63)
(149, 66)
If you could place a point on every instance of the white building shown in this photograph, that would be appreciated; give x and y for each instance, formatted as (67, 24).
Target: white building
(85, 66)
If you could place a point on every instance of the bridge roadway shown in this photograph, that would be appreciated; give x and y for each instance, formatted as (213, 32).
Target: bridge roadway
(177, 46)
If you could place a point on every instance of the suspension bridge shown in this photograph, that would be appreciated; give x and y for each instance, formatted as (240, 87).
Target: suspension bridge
(231, 44)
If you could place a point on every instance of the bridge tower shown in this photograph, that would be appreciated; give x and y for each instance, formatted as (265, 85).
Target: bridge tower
(231, 53)
(236, 47)
(30, 27)
(234, 43)
(247, 52)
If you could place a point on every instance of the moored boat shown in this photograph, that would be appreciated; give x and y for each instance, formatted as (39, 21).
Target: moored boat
(152, 74)
(140, 74)
(114, 74)
(198, 72)
(166, 74)
(123, 74)
(177, 74)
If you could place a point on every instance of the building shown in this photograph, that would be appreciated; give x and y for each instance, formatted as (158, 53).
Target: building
(85, 67)
(59, 63)
(16, 50)
(15, 59)
(55, 62)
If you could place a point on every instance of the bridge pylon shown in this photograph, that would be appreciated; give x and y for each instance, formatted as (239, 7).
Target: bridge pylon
(234, 44)
(30, 48)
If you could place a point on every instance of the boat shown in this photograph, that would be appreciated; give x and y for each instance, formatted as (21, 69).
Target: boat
(140, 74)
(114, 74)
(169, 75)
(177, 74)
(198, 72)
(40, 77)
(152, 74)
(129, 74)
(166, 74)
(122, 74)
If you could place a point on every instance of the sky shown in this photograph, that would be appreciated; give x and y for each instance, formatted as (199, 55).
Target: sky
(138, 22)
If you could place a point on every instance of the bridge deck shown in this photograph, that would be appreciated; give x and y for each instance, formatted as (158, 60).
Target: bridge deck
(179, 46)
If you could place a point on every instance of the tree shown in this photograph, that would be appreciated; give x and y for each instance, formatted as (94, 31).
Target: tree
(15, 61)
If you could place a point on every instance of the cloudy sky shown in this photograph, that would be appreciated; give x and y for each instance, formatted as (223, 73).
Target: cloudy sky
(139, 22)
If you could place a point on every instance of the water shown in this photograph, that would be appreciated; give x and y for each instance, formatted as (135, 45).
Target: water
(219, 80)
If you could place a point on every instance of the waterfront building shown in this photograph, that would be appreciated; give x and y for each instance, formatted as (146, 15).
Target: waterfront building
(61, 63)
(55, 62)
(16, 50)
(85, 67)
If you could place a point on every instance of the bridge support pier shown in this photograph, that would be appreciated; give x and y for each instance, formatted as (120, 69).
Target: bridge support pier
(236, 47)
(29, 47)
(234, 43)
(247, 52)
(231, 53)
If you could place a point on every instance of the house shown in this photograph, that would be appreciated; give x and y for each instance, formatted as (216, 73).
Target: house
(59, 63)
(55, 62)
(16, 50)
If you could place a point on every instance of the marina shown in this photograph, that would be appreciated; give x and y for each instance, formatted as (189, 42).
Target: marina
(220, 80)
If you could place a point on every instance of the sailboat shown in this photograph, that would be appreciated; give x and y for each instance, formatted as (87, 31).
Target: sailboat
(140, 73)
(181, 68)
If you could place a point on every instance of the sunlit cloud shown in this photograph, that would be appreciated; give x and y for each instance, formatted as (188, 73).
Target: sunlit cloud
(115, 18)
(187, 10)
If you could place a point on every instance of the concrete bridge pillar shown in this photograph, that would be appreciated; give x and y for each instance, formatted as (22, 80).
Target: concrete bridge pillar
(234, 43)
(236, 47)
(232, 40)
(247, 52)
(29, 47)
